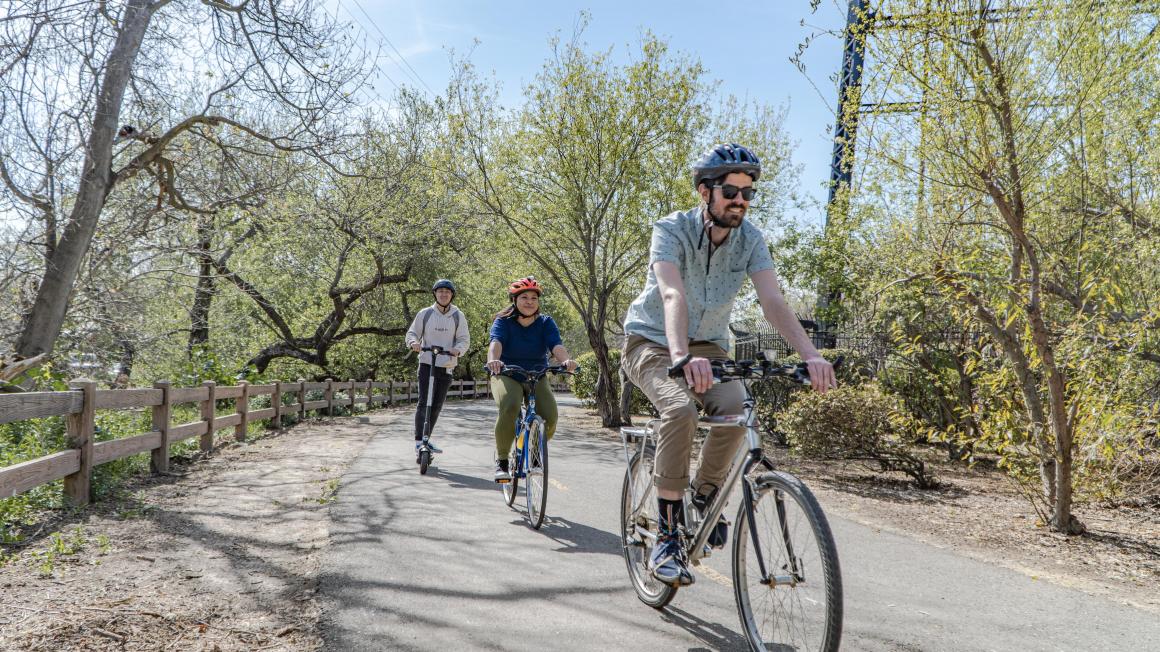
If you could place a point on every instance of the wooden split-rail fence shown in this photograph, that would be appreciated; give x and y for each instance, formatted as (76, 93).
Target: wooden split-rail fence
(75, 464)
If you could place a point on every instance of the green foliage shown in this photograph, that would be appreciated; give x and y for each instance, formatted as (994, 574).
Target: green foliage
(773, 396)
(21, 441)
(853, 423)
(205, 364)
(584, 383)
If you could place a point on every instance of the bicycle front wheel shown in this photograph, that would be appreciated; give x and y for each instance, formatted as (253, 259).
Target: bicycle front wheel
(638, 527)
(536, 481)
(798, 605)
(424, 461)
(510, 487)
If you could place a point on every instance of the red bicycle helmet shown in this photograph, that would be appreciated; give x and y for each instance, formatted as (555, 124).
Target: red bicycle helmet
(525, 284)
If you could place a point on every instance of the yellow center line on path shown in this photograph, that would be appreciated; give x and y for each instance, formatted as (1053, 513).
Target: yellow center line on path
(715, 576)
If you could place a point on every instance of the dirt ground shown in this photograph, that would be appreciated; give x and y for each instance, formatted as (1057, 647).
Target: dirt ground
(224, 554)
(980, 513)
(221, 555)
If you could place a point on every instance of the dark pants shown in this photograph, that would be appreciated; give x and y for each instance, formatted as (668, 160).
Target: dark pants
(442, 383)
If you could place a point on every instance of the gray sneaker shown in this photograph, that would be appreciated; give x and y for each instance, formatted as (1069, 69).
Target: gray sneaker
(668, 561)
(501, 472)
(430, 446)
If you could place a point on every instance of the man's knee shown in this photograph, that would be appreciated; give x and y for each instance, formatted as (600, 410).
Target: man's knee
(682, 415)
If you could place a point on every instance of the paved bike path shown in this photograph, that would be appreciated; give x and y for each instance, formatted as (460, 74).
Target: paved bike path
(439, 562)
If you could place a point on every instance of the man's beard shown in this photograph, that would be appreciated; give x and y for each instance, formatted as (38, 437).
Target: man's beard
(727, 218)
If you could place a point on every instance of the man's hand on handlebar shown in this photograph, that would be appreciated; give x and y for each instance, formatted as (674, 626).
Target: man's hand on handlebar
(698, 374)
(822, 377)
(494, 366)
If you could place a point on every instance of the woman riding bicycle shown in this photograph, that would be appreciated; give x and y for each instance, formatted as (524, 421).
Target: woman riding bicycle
(522, 337)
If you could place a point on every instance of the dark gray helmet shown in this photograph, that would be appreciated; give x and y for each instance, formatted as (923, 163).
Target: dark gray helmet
(720, 160)
(444, 284)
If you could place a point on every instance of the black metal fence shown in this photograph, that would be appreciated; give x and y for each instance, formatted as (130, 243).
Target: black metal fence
(874, 347)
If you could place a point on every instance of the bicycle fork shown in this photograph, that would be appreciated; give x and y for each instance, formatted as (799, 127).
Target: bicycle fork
(795, 575)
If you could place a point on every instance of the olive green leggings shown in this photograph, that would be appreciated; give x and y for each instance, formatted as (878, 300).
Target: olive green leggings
(509, 396)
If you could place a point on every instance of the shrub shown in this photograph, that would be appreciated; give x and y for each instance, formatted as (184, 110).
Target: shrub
(776, 395)
(852, 423)
(584, 383)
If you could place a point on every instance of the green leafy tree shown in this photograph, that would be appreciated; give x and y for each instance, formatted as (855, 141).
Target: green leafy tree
(1010, 193)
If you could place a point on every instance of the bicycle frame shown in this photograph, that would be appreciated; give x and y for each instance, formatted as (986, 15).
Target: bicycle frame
(523, 428)
(527, 416)
(746, 458)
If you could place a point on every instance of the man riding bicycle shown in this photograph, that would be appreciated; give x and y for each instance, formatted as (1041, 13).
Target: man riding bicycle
(698, 260)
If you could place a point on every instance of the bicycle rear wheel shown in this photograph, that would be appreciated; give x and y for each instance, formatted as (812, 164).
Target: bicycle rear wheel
(638, 527)
(800, 607)
(536, 480)
(510, 486)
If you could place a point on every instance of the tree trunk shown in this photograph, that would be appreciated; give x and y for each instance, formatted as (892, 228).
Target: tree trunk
(626, 388)
(606, 399)
(43, 323)
(128, 354)
(203, 294)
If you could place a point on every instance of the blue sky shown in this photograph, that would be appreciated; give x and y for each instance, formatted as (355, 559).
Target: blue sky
(746, 46)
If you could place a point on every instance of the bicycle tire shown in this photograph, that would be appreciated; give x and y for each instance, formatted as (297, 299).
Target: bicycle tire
(424, 461)
(511, 486)
(536, 477)
(636, 548)
(802, 611)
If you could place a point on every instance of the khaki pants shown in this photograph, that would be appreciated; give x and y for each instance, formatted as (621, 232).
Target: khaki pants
(646, 364)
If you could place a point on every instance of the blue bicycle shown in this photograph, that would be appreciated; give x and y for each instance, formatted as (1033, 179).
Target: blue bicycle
(529, 455)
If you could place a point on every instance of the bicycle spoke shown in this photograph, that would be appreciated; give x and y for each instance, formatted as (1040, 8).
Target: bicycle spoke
(798, 606)
(535, 486)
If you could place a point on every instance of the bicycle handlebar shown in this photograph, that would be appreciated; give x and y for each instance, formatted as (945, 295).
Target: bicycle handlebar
(727, 370)
(553, 369)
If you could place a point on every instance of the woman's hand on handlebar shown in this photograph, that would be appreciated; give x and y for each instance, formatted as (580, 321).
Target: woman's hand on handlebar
(570, 365)
(494, 366)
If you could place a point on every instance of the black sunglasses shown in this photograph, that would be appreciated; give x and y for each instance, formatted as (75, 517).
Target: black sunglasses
(729, 191)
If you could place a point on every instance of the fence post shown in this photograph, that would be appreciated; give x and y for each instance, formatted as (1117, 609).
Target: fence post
(350, 396)
(301, 400)
(276, 403)
(391, 392)
(208, 412)
(242, 405)
(77, 486)
(329, 395)
(370, 394)
(159, 457)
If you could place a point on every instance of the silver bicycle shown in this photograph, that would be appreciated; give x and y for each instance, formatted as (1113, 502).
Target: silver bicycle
(786, 578)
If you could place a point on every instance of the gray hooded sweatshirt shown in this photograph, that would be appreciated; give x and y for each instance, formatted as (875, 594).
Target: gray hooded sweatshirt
(448, 331)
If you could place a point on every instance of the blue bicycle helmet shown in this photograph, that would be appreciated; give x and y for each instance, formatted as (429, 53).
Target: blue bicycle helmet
(720, 160)
(445, 285)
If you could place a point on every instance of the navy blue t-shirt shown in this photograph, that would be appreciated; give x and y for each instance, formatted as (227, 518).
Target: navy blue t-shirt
(526, 346)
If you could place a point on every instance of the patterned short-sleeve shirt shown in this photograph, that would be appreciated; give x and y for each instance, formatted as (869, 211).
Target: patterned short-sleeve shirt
(711, 282)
